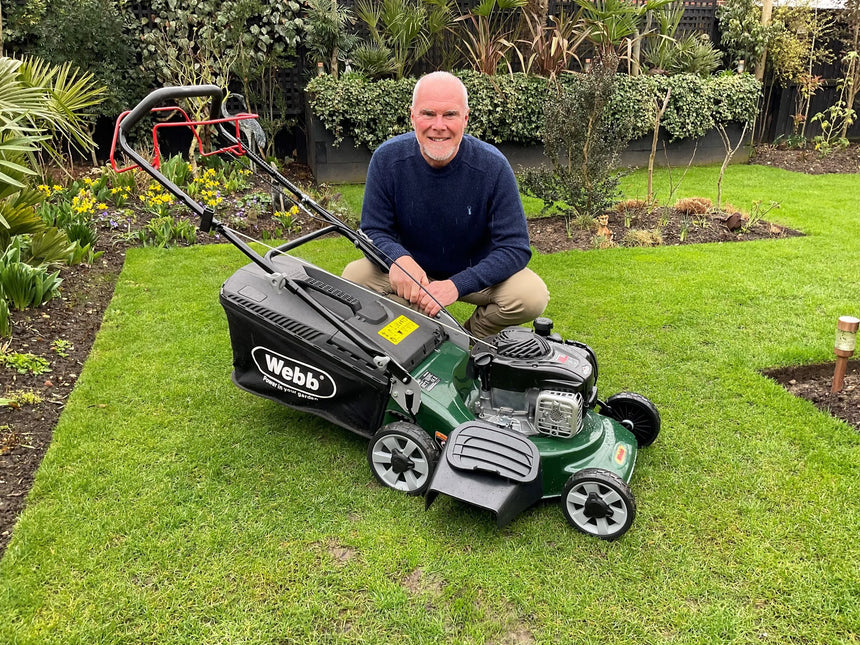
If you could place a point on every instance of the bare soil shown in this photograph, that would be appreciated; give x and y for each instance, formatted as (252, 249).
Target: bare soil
(814, 383)
(63, 330)
(810, 162)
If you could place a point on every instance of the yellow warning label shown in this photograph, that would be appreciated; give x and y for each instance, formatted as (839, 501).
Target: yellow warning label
(398, 329)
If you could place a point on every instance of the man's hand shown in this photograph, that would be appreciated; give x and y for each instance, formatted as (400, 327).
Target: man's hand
(444, 293)
(405, 276)
(428, 296)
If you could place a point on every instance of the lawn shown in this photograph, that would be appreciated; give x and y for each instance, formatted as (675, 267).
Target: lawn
(174, 508)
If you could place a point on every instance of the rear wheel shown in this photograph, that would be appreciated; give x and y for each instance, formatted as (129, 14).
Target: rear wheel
(599, 503)
(637, 414)
(403, 457)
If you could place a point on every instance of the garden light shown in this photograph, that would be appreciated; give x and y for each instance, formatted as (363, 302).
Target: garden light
(846, 341)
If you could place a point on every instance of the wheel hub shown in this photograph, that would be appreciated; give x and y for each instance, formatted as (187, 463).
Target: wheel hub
(596, 508)
(400, 463)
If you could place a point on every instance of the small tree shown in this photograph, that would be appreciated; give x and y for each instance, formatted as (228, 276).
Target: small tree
(743, 34)
(730, 152)
(661, 109)
(795, 47)
(327, 33)
(583, 144)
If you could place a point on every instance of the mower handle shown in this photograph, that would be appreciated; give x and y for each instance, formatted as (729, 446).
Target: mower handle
(152, 101)
(166, 94)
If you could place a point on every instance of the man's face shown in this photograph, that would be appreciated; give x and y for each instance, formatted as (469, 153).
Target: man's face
(439, 117)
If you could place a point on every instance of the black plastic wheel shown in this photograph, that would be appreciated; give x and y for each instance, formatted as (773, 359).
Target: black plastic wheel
(637, 414)
(598, 503)
(403, 457)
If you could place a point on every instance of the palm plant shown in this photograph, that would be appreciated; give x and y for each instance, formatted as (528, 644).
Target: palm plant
(41, 107)
(550, 49)
(664, 53)
(66, 97)
(403, 29)
(490, 34)
(327, 38)
(612, 24)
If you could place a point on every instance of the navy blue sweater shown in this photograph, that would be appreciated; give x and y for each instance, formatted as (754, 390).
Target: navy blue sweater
(464, 221)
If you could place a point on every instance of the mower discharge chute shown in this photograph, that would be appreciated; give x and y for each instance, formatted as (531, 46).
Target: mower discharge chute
(499, 423)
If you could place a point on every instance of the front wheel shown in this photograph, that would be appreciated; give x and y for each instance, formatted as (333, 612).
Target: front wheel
(637, 414)
(402, 456)
(599, 503)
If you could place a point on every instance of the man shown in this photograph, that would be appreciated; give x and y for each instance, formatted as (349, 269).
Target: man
(445, 208)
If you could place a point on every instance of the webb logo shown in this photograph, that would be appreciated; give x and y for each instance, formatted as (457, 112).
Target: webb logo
(294, 375)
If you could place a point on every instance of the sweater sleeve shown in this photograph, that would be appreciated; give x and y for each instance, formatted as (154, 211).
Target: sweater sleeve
(509, 239)
(377, 210)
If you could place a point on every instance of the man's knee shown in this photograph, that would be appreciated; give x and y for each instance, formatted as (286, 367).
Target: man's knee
(356, 271)
(524, 294)
(367, 274)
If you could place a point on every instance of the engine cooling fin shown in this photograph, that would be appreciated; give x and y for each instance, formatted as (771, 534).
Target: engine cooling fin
(521, 344)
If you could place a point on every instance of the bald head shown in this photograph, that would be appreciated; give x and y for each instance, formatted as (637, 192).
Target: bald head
(435, 80)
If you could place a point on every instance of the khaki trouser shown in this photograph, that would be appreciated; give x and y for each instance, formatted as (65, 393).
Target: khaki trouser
(519, 299)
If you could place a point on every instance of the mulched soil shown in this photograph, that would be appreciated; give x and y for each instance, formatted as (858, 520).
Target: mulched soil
(840, 160)
(26, 427)
(637, 225)
(814, 383)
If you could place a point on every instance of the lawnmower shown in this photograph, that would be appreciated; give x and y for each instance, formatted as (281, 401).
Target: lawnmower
(499, 423)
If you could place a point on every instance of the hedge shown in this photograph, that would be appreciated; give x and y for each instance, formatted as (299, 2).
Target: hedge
(509, 108)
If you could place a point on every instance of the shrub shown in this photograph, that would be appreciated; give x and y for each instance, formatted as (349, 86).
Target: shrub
(743, 35)
(509, 108)
(583, 140)
(88, 33)
(225, 42)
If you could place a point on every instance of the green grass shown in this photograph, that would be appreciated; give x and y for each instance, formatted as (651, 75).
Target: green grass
(173, 508)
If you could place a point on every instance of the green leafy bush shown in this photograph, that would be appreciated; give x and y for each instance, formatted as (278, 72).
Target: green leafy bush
(24, 285)
(509, 108)
(583, 140)
(89, 34)
(743, 35)
(246, 43)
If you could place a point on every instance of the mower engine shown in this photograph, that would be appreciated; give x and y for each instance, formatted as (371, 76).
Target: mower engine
(533, 383)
